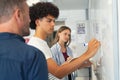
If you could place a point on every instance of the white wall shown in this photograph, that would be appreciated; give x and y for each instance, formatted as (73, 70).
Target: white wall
(119, 33)
(103, 28)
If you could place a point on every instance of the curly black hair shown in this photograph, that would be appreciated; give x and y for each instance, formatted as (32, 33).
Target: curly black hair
(40, 10)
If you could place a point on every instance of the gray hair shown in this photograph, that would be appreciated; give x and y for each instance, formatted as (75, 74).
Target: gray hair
(7, 8)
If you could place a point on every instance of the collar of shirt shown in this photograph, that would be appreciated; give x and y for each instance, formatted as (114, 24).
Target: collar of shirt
(6, 35)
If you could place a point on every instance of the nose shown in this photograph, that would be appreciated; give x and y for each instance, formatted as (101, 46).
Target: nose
(67, 36)
(53, 23)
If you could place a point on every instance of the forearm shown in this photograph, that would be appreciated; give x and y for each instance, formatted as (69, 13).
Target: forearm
(63, 70)
(69, 67)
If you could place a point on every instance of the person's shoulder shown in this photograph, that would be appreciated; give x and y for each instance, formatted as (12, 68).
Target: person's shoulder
(32, 51)
(68, 47)
(53, 46)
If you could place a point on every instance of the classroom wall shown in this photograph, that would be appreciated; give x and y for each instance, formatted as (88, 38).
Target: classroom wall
(104, 28)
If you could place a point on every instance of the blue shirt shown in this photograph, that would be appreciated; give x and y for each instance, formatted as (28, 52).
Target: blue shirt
(57, 55)
(19, 61)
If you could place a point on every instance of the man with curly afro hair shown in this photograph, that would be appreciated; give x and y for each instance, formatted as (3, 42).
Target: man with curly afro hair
(43, 15)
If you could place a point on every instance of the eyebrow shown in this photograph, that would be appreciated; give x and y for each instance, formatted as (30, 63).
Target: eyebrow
(50, 19)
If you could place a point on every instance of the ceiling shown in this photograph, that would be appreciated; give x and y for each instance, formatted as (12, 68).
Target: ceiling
(71, 4)
(66, 4)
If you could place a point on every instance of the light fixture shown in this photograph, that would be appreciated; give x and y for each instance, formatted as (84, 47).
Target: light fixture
(50, 1)
(31, 2)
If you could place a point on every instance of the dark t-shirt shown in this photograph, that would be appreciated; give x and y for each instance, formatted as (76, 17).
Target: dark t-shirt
(19, 61)
(65, 57)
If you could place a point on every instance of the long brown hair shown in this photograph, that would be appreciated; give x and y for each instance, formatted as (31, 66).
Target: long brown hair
(62, 28)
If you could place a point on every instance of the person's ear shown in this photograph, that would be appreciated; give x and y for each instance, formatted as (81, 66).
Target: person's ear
(37, 22)
(59, 35)
(18, 15)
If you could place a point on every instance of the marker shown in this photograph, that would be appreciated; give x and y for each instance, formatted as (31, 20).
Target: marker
(85, 44)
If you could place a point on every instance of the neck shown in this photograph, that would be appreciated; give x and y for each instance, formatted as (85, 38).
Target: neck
(61, 44)
(8, 27)
(40, 34)
(63, 48)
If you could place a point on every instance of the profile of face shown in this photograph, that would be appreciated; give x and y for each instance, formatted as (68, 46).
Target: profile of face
(64, 36)
(26, 21)
(47, 24)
